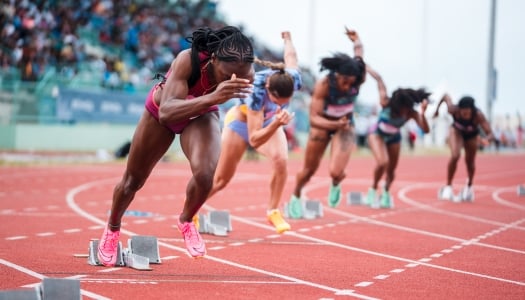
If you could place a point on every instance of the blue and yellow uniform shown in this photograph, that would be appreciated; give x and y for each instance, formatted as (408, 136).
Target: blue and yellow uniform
(257, 101)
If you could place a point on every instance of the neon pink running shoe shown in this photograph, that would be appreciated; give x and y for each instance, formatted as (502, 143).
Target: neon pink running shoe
(192, 238)
(107, 247)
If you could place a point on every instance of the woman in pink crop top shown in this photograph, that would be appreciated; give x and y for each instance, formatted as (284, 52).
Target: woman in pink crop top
(218, 67)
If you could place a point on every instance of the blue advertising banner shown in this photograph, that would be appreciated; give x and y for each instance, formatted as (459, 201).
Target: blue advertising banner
(107, 106)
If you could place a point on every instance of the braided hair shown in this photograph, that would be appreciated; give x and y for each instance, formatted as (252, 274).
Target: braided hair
(406, 98)
(228, 44)
(345, 65)
(280, 84)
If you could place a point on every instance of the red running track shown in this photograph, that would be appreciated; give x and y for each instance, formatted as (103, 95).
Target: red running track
(423, 248)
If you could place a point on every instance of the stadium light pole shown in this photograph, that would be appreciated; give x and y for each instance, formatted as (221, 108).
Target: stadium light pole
(491, 71)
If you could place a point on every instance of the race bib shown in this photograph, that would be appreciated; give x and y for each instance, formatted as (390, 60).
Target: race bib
(388, 128)
(338, 111)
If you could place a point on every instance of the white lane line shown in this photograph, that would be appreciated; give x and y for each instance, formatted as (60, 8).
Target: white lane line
(14, 238)
(496, 197)
(401, 194)
(374, 253)
(40, 276)
(397, 270)
(45, 234)
(416, 231)
(70, 199)
(320, 184)
(109, 270)
(364, 284)
(237, 244)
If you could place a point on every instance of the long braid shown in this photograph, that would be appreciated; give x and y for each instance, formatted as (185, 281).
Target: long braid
(274, 66)
(281, 84)
(227, 43)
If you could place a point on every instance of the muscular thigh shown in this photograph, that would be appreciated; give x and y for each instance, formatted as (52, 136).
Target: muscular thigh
(150, 142)
(201, 141)
(455, 141)
(276, 147)
(471, 148)
(342, 144)
(318, 140)
(378, 147)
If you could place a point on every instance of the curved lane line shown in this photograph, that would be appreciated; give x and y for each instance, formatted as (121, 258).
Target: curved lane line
(70, 198)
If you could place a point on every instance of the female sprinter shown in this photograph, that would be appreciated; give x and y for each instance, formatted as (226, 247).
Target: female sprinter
(218, 67)
(385, 138)
(463, 133)
(331, 120)
(257, 121)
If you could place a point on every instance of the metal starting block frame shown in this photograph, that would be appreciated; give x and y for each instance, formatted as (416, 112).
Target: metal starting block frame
(60, 289)
(93, 259)
(49, 289)
(354, 198)
(216, 222)
(21, 294)
(312, 209)
(142, 250)
(521, 190)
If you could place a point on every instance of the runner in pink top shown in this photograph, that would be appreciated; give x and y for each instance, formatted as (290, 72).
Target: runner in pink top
(218, 67)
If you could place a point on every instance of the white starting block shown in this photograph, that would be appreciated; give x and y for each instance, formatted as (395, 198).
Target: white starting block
(60, 289)
(216, 222)
(93, 259)
(355, 198)
(49, 289)
(311, 209)
(521, 190)
(21, 294)
(141, 251)
(146, 246)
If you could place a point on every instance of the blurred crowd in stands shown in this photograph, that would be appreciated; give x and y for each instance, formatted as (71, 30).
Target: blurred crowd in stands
(125, 41)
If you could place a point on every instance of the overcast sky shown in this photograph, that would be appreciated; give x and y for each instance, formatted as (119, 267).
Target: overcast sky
(411, 43)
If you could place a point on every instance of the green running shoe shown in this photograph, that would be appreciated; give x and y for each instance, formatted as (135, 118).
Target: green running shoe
(386, 199)
(295, 208)
(334, 198)
(371, 199)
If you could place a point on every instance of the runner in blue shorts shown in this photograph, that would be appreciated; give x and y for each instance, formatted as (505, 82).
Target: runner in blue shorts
(258, 121)
(385, 137)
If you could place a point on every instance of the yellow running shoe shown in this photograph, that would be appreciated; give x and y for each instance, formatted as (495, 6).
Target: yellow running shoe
(195, 220)
(276, 219)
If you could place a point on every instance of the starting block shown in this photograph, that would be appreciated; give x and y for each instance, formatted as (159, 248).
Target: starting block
(141, 251)
(21, 294)
(60, 289)
(49, 289)
(216, 222)
(521, 190)
(146, 246)
(311, 209)
(354, 198)
(93, 259)
(136, 261)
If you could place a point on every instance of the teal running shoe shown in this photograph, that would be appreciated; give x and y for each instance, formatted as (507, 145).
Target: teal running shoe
(386, 199)
(295, 208)
(334, 198)
(371, 198)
